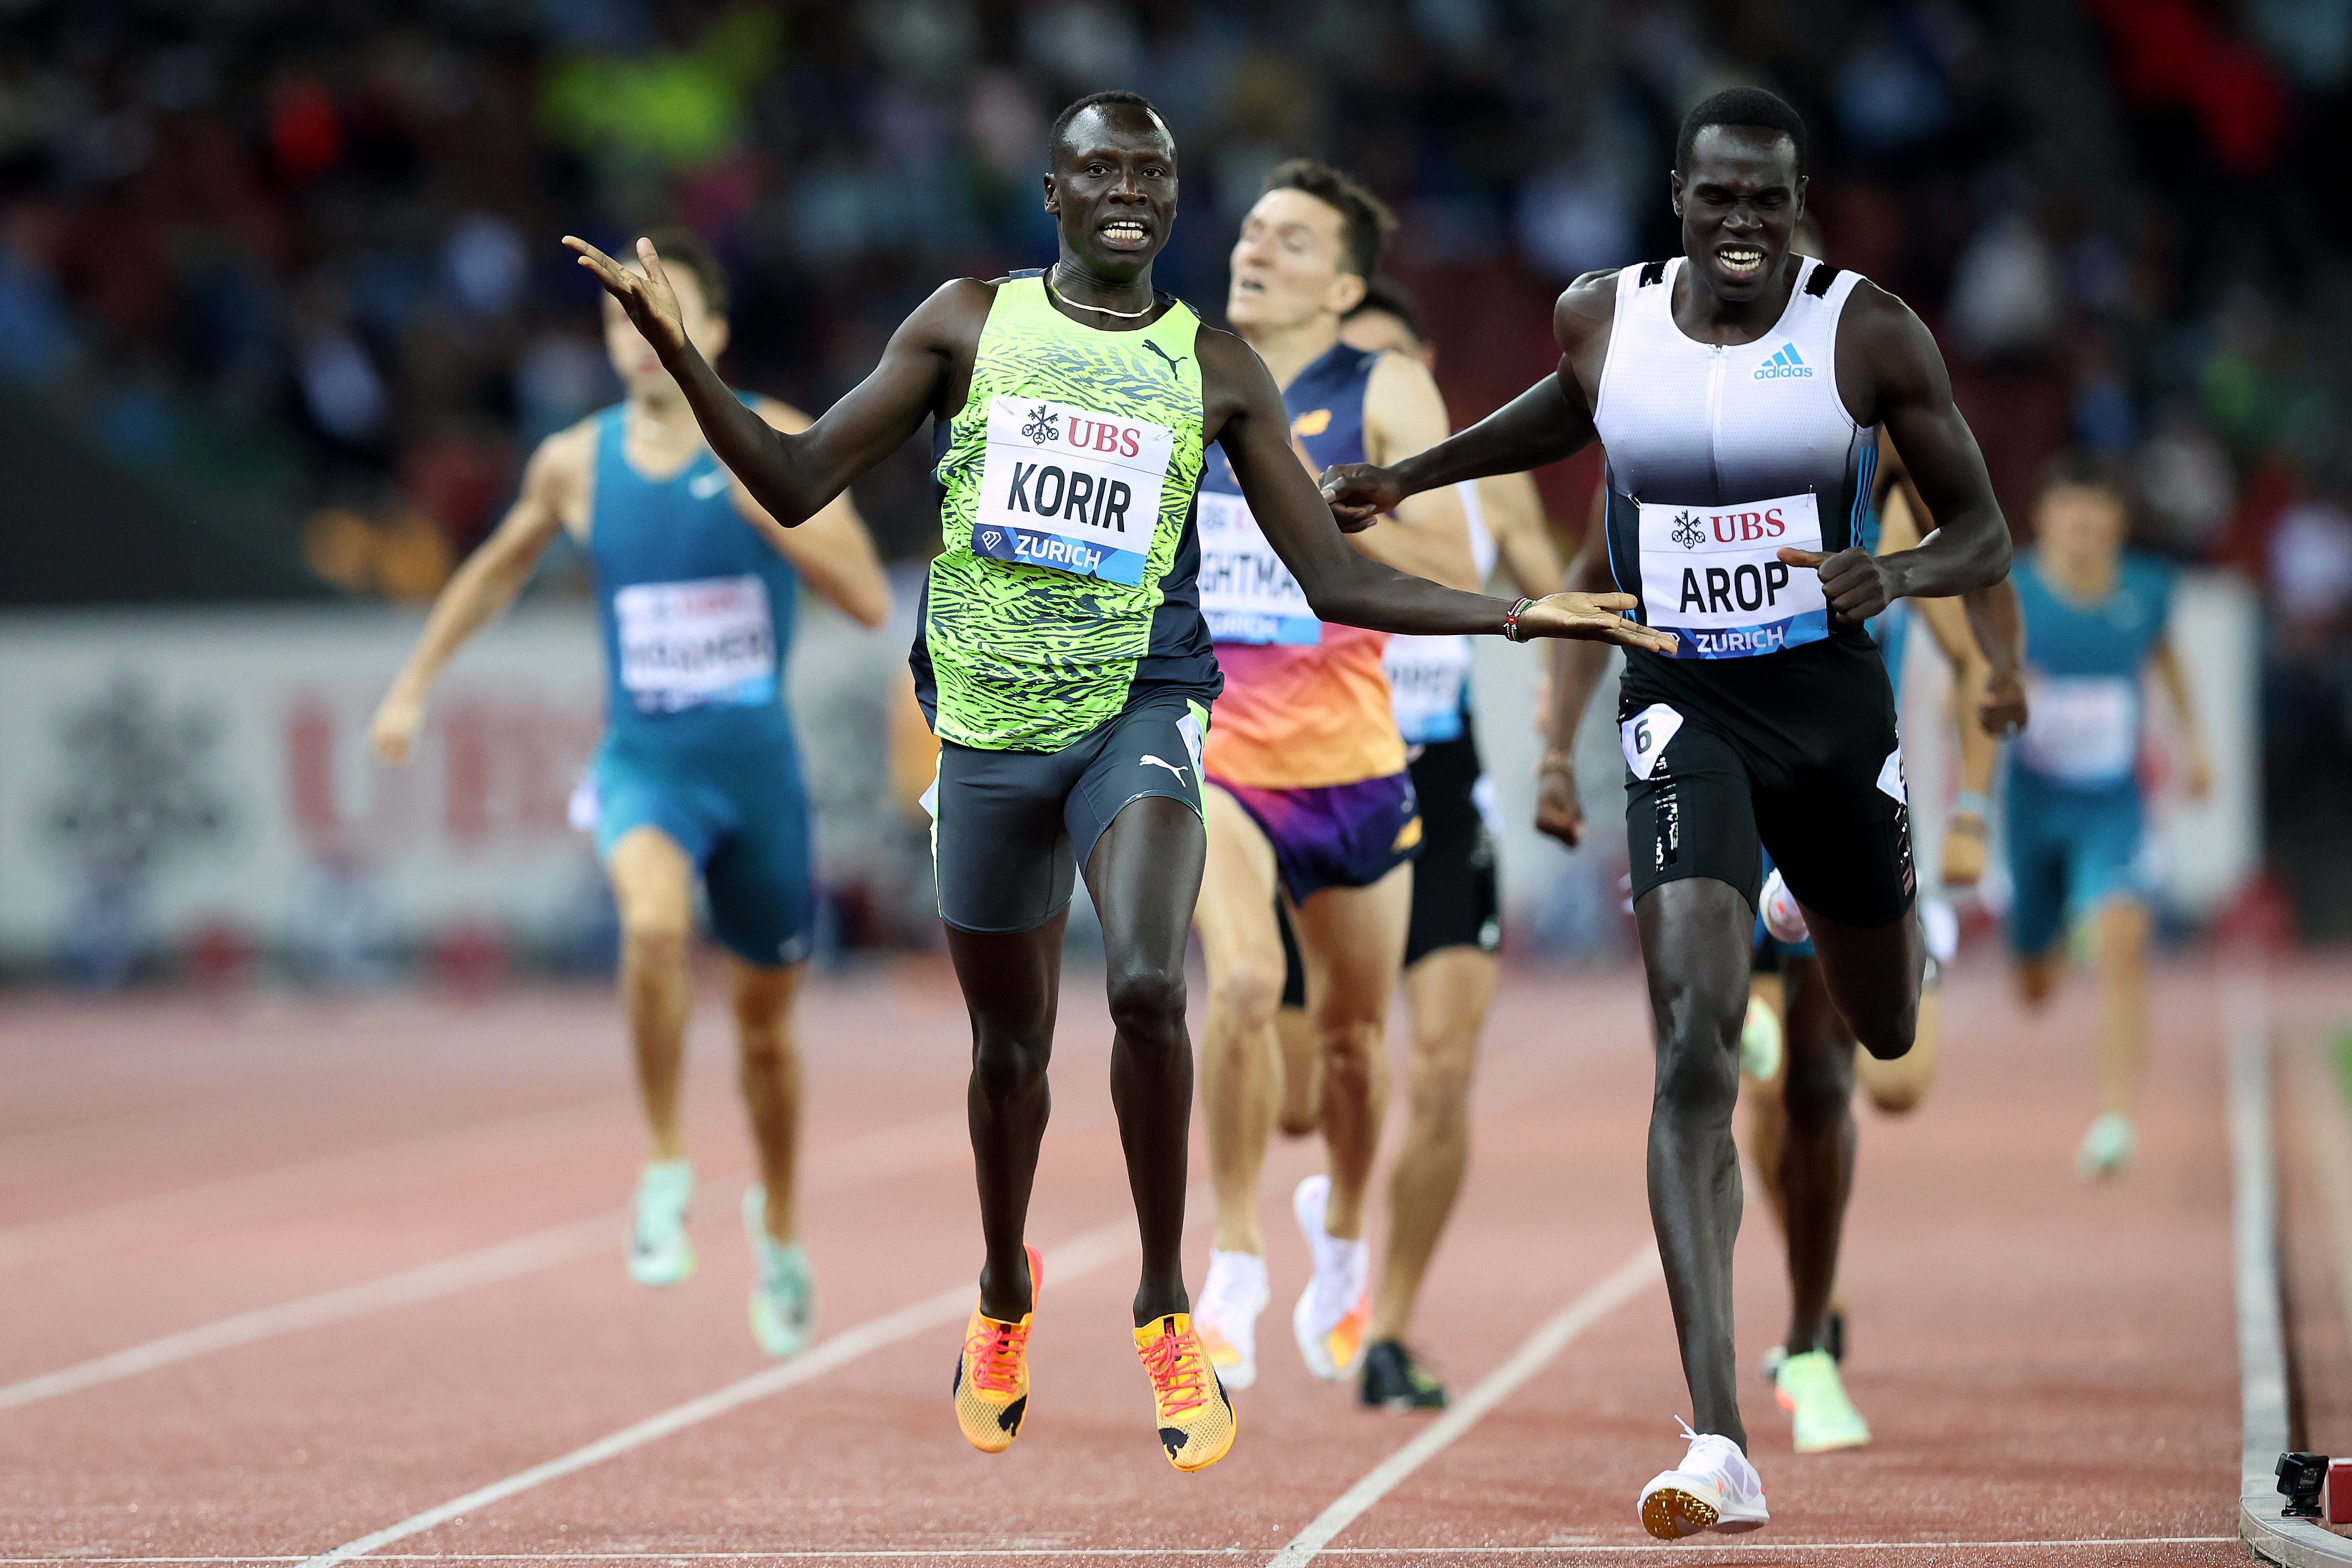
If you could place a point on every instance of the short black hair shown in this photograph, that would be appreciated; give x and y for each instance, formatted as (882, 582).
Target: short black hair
(1061, 121)
(1748, 106)
(1365, 221)
(1386, 295)
(2080, 469)
(683, 250)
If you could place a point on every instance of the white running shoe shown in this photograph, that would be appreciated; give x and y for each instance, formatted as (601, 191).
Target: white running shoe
(1762, 1042)
(1225, 1315)
(1783, 917)
(660, 1251)
(1335, 1307)
(783, 1291)
(2108, 1147)
(1714, 1488)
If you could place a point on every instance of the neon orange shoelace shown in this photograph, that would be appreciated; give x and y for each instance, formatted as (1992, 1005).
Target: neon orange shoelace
(994, 1355)
(1178, 1376)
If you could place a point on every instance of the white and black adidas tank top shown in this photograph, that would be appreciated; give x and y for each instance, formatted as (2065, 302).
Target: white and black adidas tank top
(1722, 455)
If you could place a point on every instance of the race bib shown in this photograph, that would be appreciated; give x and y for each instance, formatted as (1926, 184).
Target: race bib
(1713, 577)
(1426, 676)
(2082, 729)
(1070, 489)
(1246, 593)
(709, 643)
(1642, 738)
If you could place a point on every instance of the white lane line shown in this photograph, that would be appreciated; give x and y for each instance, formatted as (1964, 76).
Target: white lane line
(1224, 1553)
(1072, 1258)
(873, 1157)
(2262, 1373)
(506, 1261)
(169, 1211)
(1629, 1280)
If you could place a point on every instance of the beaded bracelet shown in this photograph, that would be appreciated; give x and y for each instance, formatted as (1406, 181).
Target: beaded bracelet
(1511, 619)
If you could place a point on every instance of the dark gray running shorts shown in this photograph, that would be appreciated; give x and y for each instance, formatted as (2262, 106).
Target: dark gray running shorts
(1010, 829)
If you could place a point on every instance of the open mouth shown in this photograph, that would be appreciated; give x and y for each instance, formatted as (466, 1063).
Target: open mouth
(1740, 261)
(1125, 234)
(1246, 284)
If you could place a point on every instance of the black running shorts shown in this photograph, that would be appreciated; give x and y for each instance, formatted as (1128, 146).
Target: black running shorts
(1455, 900)
(1010, 829)
(1793, 752)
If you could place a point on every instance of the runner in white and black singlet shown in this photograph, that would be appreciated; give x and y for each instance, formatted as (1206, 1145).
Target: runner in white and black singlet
(1737, 391)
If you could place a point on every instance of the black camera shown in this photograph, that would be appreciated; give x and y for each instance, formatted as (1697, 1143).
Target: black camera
(2300, 1477)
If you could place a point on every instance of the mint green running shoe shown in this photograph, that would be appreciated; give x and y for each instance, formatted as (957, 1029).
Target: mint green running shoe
(784, 1292)
(660, 1251)
(1809, 1388)
(1762, 1042)
(2107, 1148)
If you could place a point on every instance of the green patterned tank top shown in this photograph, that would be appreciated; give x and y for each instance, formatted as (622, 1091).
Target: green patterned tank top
(1064, 588)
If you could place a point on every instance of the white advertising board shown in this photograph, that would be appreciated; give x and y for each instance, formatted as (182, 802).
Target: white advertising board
(177, 769)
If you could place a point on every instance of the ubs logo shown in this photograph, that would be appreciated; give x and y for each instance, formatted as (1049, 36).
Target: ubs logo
(1687, 531)
(1044, 425)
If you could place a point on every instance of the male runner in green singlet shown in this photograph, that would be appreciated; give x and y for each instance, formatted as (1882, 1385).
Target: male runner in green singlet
(1065, 665)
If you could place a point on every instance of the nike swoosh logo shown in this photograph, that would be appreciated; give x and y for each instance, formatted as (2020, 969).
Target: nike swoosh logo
(1152, 761)
(705, 485)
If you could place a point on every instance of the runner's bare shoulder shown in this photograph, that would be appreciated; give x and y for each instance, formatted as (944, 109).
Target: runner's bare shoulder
(562, 471)
(958, 308)
(1231, 372)
(1584, 306)
(1885, 350)
(561, 462)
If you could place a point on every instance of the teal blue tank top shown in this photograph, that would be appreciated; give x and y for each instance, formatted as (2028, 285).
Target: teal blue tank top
(697, 606)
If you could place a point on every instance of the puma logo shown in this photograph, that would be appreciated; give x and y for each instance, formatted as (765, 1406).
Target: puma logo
(1152, 761)
(1173, 362)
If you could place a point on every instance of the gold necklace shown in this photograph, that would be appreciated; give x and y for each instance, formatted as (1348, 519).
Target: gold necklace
(1099, 310)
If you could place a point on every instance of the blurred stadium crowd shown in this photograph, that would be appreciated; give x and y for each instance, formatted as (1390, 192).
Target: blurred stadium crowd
(301, 255)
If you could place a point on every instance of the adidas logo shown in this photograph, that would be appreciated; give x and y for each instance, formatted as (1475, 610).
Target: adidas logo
(1783, 366)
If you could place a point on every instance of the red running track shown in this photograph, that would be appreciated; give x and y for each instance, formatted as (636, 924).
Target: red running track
(280, 1275)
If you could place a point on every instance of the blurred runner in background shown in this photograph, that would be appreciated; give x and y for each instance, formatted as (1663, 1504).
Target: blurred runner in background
(700, 773)
(1311, 805)
(1793, 1039)
(2096, 617)
(1455, 931)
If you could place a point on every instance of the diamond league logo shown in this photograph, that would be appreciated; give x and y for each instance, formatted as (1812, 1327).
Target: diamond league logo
(1044, 425)
(990, 538)
(1686, 531)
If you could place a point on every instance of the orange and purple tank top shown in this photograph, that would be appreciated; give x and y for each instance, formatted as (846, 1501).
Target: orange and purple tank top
(1305, 704)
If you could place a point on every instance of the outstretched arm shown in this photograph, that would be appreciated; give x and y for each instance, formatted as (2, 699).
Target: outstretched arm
(1342, 583)
(1549, 420)
(481, 587)
(794, 476)
(832, 552)
(1890, 372)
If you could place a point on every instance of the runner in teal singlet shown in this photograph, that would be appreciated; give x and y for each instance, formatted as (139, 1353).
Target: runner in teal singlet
(1064, 657)
(700, 772)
